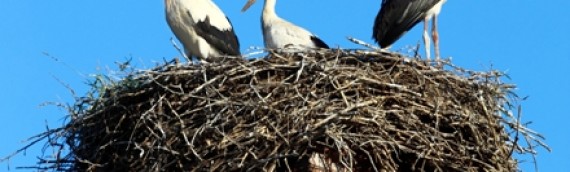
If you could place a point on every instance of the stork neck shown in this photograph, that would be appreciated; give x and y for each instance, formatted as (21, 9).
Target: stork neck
(269, 9)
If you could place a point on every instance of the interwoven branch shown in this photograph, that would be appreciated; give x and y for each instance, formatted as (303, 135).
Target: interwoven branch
(331, 110)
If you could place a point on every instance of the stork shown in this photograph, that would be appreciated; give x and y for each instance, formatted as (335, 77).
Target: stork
(279, 33)
(203, 29)
(396, 17)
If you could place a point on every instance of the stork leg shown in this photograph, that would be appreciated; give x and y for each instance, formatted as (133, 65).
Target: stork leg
(426, 38)
(435, 37)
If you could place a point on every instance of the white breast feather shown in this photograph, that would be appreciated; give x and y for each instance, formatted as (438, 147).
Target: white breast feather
(435, 10)
(282, 33)
(199, 9)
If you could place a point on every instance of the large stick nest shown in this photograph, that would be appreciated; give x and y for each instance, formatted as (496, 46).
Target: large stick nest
(323, 111)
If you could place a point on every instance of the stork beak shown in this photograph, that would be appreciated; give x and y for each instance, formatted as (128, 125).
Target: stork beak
(247, 5)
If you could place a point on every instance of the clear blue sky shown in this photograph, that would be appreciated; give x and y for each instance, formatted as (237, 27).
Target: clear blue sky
(527, 38)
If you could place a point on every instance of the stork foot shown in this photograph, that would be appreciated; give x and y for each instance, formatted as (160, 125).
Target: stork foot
(438, 63)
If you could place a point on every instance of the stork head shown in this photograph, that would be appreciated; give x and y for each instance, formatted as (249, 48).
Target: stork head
(247, 5)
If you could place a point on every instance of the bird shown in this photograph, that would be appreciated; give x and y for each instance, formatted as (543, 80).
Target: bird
(396, 17)
(203, 29)
(279, 33)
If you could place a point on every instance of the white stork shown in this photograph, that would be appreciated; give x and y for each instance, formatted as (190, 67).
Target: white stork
(279, 33)
(202, 28)
(396, 17)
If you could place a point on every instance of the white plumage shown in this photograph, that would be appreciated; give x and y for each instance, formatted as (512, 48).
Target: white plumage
(202, 28)
(279, 33)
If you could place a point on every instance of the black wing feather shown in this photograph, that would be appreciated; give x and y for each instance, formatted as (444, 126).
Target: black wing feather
(225, 41)
(319, 43)
(397, 17)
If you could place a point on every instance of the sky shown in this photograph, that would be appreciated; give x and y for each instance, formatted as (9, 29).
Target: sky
(47, 47)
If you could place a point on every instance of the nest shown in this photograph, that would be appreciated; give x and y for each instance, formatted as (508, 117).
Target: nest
(331, 110)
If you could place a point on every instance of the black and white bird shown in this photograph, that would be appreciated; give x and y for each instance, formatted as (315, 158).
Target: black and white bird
(202, 28)
(396, 17)
(279, 33)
